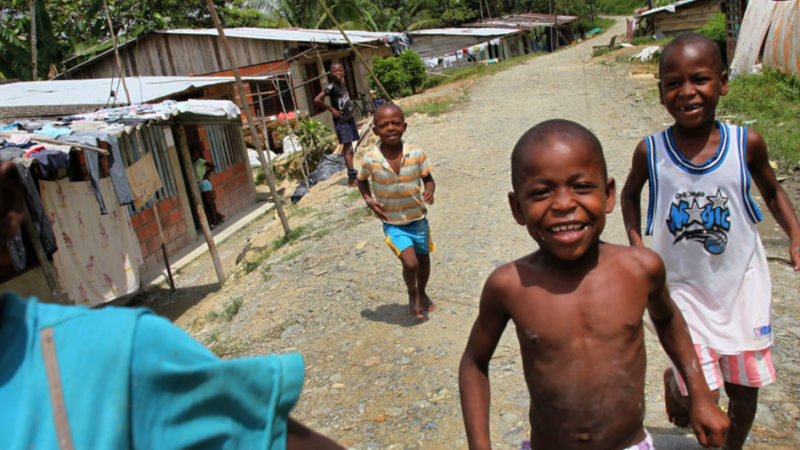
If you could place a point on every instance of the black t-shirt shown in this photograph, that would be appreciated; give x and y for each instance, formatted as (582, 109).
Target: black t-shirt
(340, 99)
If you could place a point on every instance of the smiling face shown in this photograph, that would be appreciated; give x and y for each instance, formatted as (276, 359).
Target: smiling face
(337, 72)
(692, 81)
(389, 124)
(562, 196)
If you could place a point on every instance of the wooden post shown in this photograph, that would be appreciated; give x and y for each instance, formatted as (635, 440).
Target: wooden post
(250, 121)
(183, 151)
(47, 268)
(34, 58)
(116, 52)
(163, 247)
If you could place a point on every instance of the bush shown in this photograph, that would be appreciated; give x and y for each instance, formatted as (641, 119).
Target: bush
(414, 67)
(455, 16)
(715, 30)
(400, 75)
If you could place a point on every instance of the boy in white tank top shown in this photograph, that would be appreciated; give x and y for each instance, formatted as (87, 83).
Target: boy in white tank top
(702, 220)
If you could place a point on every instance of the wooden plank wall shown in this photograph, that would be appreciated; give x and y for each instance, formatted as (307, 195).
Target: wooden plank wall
(181, 55)
(436, 46)
(687, 18)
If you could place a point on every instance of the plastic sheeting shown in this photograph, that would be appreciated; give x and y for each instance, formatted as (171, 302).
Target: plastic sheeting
(329, 165)
(776, 25)
(782, 50)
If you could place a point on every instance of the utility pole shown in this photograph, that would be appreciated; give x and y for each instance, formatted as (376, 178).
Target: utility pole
(120, 69)
(35, 67)
(250, 121)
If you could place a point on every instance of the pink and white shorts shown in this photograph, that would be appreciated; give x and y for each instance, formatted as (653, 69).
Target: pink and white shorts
(751, 368)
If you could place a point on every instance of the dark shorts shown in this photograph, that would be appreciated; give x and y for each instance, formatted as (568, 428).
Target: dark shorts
(346, 132)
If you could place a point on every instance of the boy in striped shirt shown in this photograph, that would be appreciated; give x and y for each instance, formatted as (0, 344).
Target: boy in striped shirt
(396, 170)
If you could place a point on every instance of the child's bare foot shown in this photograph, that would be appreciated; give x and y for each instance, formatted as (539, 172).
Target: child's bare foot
(677, 414)
(427, 303)
(415, 308)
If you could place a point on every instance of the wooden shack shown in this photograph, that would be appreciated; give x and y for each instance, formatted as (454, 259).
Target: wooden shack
(679, 17)
(155, 131)
(298, 59)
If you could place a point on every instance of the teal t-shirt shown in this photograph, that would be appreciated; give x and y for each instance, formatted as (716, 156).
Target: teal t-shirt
(131, 379)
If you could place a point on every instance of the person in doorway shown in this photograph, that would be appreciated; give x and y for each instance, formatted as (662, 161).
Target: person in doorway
(202, 174)
(397, 170)
(124, 378)
(577, 304)
(703, 223)
(343, 112)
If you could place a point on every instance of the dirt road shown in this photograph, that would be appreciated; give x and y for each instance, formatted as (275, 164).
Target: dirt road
(376, 378)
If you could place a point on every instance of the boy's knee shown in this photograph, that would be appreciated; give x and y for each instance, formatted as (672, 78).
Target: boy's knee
(409, 259)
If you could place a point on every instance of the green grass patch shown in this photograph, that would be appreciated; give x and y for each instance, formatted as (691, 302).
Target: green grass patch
(231, 308)
(296, 211)
(618, 7)
(433, 108)
(602, 22)
(251, 265)
(321, 232)
(291, 255)
(770, 104)
(266, 272)
(600, 51)
(227, 313)
(354, 194)
(212, 336)
(476, 70)
(292, 236)
(360, 214)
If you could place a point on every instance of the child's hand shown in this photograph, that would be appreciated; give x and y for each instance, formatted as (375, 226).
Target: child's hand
(377, 208)
(709, 423)
(794, 255)
(336, 113)
(427, 197)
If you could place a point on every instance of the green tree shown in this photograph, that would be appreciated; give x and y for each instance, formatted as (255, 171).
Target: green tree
(400, 75)
(71, 30)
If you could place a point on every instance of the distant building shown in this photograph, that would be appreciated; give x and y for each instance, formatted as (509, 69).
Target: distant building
(679, 17)
(298, 59)
(129, 133)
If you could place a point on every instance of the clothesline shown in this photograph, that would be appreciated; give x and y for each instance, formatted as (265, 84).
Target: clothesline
(450, 58)
(45, 140)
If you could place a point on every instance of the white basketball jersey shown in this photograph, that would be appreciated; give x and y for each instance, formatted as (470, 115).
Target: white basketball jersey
(702, 220)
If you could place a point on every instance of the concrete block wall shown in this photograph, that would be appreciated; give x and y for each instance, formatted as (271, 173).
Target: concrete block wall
(231, 187)
(173, 224)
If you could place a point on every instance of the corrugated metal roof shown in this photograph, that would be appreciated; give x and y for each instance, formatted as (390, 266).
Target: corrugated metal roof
(482, 32)
(97, 91)
(289, 34)
(668, 8)
(524, 21)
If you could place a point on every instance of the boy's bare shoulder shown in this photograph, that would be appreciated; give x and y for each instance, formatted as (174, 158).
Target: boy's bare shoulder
(505, 279)
(633, 259)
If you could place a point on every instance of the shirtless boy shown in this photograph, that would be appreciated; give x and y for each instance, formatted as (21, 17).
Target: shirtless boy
(577, 304)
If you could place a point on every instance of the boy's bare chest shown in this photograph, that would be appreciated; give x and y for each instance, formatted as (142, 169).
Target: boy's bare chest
(597, 313)
(395, 163)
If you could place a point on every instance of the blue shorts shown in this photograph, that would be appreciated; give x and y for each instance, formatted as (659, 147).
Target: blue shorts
(205, 186)
(346, 131)
(417, 233)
